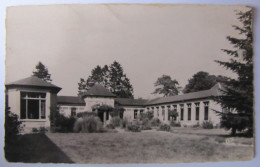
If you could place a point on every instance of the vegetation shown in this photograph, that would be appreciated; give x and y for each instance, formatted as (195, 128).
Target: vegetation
(202, 81)
(88, 125)
(112, 77)
(134, 128)
(175, 124)
(165, 127)
(116, 121)
(166, 86)
(41, 71)
(155, 122)
(238, 94)
(207, 125)
(173, 114)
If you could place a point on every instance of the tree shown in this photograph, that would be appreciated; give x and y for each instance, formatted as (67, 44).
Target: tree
(202, 81)
(238, 98)
(166, 86)
(112, 77)
(119, 84)
(42, 72)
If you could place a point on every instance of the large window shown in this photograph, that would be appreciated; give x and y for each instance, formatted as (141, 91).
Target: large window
(175, 110)
(197, 111)
(168, 108)
(182, 111)
(189, 111)
(33, 105)
(73, 111)
(206, 110)
(163, 112)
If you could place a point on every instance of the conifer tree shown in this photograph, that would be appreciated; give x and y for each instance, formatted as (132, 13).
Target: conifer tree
(238, 97)
(41, 71)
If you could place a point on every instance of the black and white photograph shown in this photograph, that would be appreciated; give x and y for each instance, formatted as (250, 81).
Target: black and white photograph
(129, 84)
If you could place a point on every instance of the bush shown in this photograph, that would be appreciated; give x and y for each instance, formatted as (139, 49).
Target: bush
(207, 125)
(115, 121)
(196, 125)
(134, 128)
(110, 126)
(146, 124)
(155, 122)
(147, 115)
(175, 124)
(165, 127)
(12, 126)
(64, 124)
(88, 124)
(124, 123)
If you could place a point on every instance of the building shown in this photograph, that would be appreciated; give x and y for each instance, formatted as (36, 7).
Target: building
(32, 100)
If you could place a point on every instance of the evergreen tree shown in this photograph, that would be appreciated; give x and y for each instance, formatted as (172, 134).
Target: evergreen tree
(112, 78)
(42, 72)
(166, 86)
(202, 81)
(119, 84)
(238, 98)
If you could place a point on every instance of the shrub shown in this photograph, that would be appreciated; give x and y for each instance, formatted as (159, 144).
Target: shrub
(207, 125)
(196, 125)
(110, 126)
(175, 124)
(146, 124)
(88, 125)
(134, 128)
(12, 126)
(124, 123)
(165, 127)
(115, 121)
(155, 122)
(147, 115)
(64, 124)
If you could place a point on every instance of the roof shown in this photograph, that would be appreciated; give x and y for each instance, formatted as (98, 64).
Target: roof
(214, 91)
(98, 91)
(33, 81)
(70, 100)
(130, 102)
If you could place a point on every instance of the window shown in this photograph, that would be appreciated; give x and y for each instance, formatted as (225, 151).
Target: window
(175, 110)
(73, 111)
(197, 111)
(182, 111)
(157, 111)
(33, 105)
(163, 112)
(189, 111)
(141, 112)
(206, 110)
(168, 108)
(135, 114)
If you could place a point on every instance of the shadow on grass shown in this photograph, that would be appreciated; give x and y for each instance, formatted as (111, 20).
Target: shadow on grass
(33, 148)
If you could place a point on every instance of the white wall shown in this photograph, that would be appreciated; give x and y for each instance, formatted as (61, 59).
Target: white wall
(66, 109)
(90, 101)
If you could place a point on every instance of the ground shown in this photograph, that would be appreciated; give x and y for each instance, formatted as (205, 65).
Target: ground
(152, 146)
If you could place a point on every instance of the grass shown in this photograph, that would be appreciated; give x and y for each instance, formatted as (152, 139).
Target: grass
(32, 148)
(150, 147)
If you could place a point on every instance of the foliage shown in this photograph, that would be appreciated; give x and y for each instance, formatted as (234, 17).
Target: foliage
(124, 123)
(173, 113)
(42, 72)
(110, 126)
(64, 124)
(116, 121)
(175, 124)
(111, 77)
(134, 128)
(118, 112)
(207, 125)
(12, 126)
(86, 113)
(238, 94)
(147, 115)
(202, 81)
(165, 127)
(155, 122)
(166, 86)
(146, 124)
(88, 124)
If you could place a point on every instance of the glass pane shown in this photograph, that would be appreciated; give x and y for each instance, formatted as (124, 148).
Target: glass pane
(43, 115)
(23, 94)
(23, 109)
(33, 95)
(33, 109)
(42, 95)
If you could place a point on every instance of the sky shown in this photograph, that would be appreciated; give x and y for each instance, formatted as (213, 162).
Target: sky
(147, 40)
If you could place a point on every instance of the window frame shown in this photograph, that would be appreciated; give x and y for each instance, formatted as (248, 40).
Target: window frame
(197, 111)
(41, 108)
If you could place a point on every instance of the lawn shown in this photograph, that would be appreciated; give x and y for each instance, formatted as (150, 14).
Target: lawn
(153, 146)
(32, 148)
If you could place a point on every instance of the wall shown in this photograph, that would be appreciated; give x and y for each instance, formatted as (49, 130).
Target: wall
(66, 109)
(129, 112)
(14, 104)
(90, 101)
